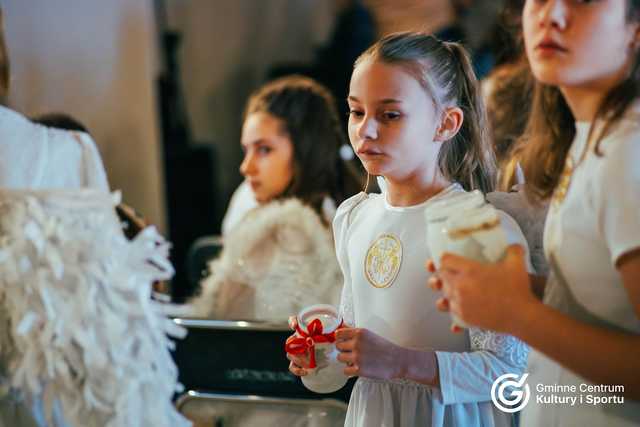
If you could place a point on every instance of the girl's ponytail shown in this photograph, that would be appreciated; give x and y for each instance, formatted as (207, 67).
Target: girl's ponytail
(468, 158)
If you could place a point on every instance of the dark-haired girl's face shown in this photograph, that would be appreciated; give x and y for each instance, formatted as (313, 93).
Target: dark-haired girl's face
(571, 43)
(268, 164)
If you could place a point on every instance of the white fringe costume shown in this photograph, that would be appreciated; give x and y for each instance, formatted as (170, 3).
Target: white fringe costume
(275, 262)
(79, 330)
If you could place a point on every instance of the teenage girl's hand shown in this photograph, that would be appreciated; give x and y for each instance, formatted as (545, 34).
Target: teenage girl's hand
(483, 295)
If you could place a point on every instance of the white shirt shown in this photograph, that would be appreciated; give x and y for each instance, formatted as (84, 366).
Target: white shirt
(38, 157)
(405, 313)
(585, 234)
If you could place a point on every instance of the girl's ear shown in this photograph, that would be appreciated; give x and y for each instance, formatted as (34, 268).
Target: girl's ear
(452, 119)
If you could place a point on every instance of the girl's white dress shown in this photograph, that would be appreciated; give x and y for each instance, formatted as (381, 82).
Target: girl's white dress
(381, 250)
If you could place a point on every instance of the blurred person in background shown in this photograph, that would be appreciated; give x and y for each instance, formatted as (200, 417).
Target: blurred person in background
(279, 258)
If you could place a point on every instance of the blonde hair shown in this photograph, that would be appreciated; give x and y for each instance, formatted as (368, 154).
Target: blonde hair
(444, 70)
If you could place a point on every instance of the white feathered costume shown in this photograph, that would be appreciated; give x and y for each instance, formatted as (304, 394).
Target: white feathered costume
(279, 259)
(82, 343)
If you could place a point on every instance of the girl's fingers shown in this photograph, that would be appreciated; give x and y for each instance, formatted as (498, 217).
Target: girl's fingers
(442, 304)
(435, 283)
(298, 360)
(344, 334)
(430, 266)
(456, 329)
(453, 263)
(297, 370)
(293, 322)
(346, 358)
(344, 345)
(352, 371)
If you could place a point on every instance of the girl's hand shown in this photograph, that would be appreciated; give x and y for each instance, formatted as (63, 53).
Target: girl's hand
(484, 295)
(367, 354)
(297, 364)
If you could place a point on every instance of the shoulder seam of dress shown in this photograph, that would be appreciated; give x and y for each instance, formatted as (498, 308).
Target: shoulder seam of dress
(353, 208)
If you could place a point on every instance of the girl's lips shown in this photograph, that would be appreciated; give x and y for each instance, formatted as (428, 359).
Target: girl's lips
(366, 151)
(549, 45)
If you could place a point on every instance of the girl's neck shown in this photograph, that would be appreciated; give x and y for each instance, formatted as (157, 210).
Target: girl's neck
(585, 100)
(414, 190)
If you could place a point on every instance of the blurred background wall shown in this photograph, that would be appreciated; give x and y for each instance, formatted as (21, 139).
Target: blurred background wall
(100, 61)
(95, 60)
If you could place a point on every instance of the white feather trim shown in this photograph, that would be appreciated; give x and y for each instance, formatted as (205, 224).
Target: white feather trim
(283, 255)
(75, 300)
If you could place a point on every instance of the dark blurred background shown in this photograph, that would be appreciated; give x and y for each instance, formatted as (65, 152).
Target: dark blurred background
(161, 84)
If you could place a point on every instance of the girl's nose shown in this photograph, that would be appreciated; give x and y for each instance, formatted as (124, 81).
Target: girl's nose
(367, 129)
(248, 165)
(554, 14)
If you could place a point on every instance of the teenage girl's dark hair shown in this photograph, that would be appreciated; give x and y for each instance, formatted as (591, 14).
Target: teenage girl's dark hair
(310, 118)
(444, 70)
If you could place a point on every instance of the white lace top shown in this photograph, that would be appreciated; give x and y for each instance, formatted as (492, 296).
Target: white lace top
(381, 245)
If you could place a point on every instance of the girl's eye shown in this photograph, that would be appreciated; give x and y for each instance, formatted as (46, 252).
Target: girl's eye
(391, 115)
(355, 113)
(263, 150)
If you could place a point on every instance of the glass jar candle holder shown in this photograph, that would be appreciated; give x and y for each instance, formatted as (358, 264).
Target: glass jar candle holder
(315, 328)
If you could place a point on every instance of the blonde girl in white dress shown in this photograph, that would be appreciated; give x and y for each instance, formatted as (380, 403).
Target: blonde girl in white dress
(582, 153)
(415, 118)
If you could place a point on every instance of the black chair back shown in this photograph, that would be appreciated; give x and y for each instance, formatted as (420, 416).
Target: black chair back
(239, 357)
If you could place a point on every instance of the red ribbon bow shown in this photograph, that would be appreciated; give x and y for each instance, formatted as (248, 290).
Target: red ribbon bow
(307, 340)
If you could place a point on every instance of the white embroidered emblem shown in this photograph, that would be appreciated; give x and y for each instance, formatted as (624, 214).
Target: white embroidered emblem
(382, 263)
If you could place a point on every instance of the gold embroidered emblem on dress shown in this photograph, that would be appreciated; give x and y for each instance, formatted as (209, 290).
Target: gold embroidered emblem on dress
(382, 262)
(563, 183)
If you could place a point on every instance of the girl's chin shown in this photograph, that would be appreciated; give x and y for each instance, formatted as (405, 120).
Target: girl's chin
(373, 169)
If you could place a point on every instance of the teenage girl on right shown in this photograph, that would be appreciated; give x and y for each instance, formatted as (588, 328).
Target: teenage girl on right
(582, 154)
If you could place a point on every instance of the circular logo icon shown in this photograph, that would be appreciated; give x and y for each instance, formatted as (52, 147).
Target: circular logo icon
(382, 263)
(519, 392)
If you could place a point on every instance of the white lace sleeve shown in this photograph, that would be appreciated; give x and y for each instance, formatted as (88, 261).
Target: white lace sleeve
(346, 305)
(340, 236)
(468, 376)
